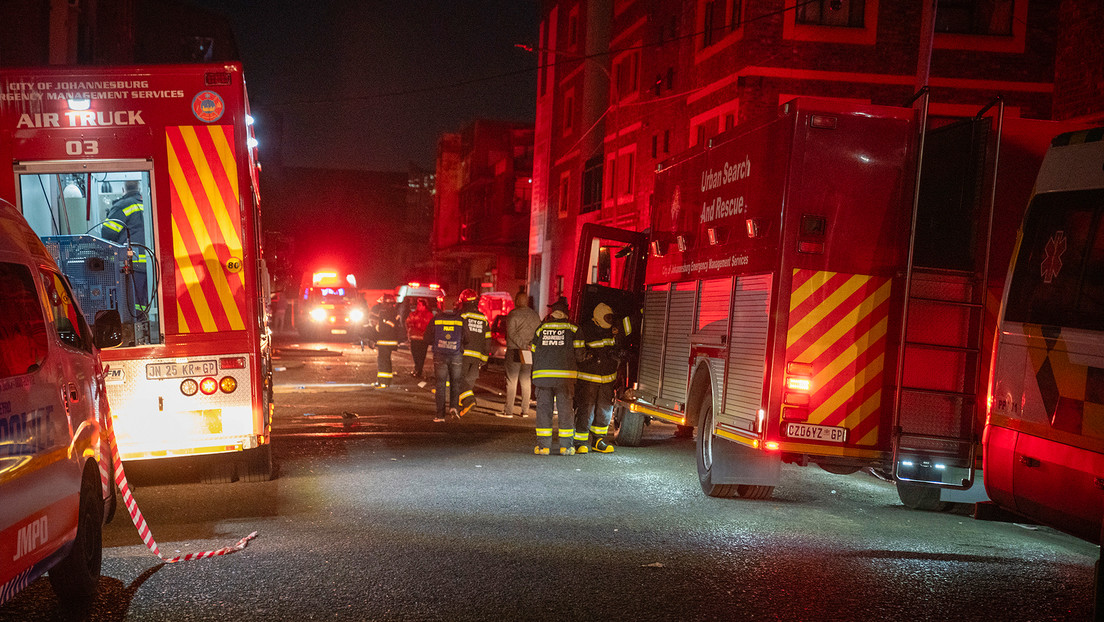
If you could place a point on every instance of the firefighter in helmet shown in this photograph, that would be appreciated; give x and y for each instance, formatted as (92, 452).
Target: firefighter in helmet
(555, 348)
(384, 319)
(476, 341)
(125, 224)
(594, 385)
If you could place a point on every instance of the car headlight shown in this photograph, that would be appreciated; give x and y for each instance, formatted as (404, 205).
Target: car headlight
(318, 314)
(356, 315)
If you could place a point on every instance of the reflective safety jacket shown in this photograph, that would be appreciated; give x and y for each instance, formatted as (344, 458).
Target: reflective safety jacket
(446, 334)
(477, 335)
(599, 362)
(124, 221)
(384, 317)
(554, 348)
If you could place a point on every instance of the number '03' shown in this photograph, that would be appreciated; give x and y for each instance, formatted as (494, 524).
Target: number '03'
(82, 147)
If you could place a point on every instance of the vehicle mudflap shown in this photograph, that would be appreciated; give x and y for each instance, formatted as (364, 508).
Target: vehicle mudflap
(736, 463)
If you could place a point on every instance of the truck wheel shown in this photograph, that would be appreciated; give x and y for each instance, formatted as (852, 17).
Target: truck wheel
(747, 491)
(705, 454)
(630, 427)
(920, 497)
(76, 576)
(221, 470)
(257, 465)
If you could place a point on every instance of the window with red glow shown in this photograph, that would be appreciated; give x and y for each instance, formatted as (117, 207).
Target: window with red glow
(22, 327)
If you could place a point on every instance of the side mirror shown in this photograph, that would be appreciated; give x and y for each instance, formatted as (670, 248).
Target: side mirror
(107, 330)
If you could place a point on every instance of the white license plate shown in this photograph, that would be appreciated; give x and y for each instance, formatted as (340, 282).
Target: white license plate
(161, 371)
(804, 431)
(338, 331)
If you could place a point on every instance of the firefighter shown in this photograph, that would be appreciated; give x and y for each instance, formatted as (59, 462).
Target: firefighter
(446, 334)
(554, 368)
(594, 386)
(417, 321)
(384, 318)
(477, 338)
(125, 224)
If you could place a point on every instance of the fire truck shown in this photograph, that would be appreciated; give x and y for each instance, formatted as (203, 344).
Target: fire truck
(142, 183)
(817, 288)
(328, 304)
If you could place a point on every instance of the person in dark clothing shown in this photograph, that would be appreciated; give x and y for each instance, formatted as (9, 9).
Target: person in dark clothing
(384, 318)
(594, 384)
(554, 369)
(477, 336)
(417, 321)
(125, 224)
(446, 333)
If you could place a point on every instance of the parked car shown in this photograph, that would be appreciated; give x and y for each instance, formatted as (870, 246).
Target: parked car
(56, 421)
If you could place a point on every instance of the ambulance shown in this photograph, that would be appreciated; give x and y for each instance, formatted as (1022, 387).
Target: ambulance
(1044, 436)
(55, 492)
(141, 182)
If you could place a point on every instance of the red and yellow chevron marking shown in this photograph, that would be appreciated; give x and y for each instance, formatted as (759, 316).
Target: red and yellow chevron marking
(206, 229)
(838, 325)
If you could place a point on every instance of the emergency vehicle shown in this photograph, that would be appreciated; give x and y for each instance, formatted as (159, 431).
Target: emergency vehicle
(181, 262)
(1044, 438)
(54, 423)
(808, 298)
(328, 304)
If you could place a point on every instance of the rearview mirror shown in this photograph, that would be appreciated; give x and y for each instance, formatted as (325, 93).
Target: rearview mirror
(107, 330)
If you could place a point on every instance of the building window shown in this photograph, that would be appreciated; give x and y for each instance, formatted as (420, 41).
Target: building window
(734, 15)
(523, 196)
(573, 27)
(592, 185)
(568, 111)
(847, 13)
(701, 135)
(666, 141)
(611, 165)
(730, 120)
(974, 17)
(629, 168)
(658, 84)
(625, 71)
(565, 194)
(655, 146)
(670, 78)
(710, 23)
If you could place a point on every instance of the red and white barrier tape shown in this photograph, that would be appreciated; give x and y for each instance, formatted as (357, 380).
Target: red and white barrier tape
(140, 521)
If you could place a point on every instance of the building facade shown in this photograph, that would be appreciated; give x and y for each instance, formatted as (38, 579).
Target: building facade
(482, 205)
(625, 84)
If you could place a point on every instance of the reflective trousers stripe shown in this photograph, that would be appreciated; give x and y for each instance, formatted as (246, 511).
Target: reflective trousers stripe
(567, 432)
(544, 432)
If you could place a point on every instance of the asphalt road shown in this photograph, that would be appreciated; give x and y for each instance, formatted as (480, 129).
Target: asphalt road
(380, 514)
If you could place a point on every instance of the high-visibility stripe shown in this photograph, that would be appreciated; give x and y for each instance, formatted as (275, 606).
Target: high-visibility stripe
(599, 430)
(385, 374)
(544, 432)
(553, 373)
(206, 228)
(601, 343)
(465, 395)
(113, 225)
(560, 325)
(626, 325)
(448, 322)
(567, 432)
(475, 354)
(582, 436)
(130, 209)
(838, 325)
(579, 343)
(387, 343)
(596, 378)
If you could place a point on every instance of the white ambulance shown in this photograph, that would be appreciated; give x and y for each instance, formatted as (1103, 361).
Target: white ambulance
(55, 487)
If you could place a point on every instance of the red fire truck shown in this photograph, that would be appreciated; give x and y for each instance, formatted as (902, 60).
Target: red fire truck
(142, 183)
(806, 301)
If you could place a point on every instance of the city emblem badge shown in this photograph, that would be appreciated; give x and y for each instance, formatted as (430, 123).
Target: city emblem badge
(208, 106)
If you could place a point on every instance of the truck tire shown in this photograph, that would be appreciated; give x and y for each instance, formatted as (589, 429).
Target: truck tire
(747, 491)
(630, 427)
(918, 497)
(705, 454)
(77, 575)
(257, 464)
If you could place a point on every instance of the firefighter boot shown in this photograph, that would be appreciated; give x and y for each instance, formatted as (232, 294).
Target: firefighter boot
(541, 451)
(601, 446)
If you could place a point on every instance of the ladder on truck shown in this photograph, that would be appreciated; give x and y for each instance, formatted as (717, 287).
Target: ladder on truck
(940, 367)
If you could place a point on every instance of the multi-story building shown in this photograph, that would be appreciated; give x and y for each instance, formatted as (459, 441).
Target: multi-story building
(625, 84)
(482, 205)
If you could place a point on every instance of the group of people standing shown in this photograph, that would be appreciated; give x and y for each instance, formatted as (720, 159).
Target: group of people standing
(573, 368)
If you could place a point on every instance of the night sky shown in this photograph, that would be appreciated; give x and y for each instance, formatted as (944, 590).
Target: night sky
(371, 84)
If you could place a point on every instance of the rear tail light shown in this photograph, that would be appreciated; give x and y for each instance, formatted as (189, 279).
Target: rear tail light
(228, 384)
(233, 362)
(799, 383)
(189, 387)
(208, 386)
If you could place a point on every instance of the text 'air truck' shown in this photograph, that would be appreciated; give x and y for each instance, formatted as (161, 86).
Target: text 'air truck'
(821, 287)
(142, 184)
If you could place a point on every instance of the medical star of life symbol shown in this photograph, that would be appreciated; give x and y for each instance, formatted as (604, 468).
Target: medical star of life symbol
(1052, 263)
